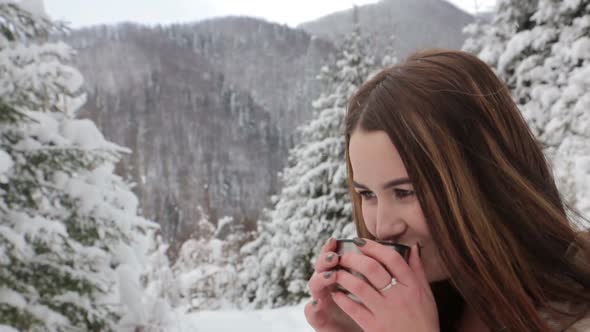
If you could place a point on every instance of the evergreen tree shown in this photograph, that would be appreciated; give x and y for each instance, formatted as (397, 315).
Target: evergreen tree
(70, 238)
(206, 268)
(314, 203)
(542, 50)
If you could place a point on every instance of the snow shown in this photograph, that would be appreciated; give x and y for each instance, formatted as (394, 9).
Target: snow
(35, 7)
(285, 319)
(6, 164)
(84, 134)
(37, 227)
(6, 328)
(130, 291)
(582, 171)
(570, 4)
(581, 48)
(12, 298)
(16, 239)
(515, 48)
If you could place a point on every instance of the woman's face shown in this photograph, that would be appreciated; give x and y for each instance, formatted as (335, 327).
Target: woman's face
(390, 208)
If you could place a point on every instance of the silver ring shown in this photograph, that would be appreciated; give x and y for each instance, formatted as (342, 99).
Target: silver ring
(392, 283)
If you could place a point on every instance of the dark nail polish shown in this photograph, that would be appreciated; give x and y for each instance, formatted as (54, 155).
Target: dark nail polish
(330, 257)
(314, 303)
(419, 249)
(359, 242)
(328, 274)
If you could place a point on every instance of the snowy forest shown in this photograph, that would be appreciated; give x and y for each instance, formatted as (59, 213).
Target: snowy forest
(150, 181)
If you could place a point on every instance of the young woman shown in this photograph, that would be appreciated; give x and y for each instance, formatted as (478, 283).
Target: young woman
(440, 159)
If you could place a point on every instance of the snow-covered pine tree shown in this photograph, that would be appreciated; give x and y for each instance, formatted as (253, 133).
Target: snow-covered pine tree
(72, 247)
(206, 268)
(541, 49)
(313, 204)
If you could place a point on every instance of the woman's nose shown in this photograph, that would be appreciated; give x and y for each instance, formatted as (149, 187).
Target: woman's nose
(389, 223)
(385, 213)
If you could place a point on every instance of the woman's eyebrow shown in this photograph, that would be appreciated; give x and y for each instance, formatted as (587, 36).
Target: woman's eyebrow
(387, 185)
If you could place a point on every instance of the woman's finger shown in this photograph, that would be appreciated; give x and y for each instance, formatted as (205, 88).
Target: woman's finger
(359, 313)
(313, 314)
(370, 297)
(330, 245)
(368, 267)
(320, 284)
(326, 261)
(395, 264)
(415, 263)
(321, 262)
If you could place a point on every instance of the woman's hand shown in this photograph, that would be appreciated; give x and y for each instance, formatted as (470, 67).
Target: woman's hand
(322, 313)
(406, 306)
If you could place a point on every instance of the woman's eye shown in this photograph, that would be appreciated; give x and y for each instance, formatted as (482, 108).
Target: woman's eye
(366, 194)
(403, 193)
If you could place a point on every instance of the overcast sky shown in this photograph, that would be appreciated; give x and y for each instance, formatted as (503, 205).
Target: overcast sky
(90, 12)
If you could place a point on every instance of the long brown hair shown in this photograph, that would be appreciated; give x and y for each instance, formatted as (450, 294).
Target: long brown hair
(483, 183)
